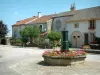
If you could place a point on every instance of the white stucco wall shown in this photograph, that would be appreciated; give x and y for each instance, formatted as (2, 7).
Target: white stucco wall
(16, 29)
(63, 23)
(49, 23)
(97, 28)
(83, 28)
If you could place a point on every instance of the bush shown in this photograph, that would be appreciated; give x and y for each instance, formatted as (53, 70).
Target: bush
(16, 42)
(43, 43)
(54, 37)
(97, 39)
(3, 41)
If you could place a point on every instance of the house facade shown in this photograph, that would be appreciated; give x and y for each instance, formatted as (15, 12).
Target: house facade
(44, 22)
(98, 28)
(82, 25)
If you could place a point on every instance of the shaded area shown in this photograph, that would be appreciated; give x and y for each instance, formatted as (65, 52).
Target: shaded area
(0, 56)
(42, 63)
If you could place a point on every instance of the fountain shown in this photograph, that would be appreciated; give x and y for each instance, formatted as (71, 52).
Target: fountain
(65, 56)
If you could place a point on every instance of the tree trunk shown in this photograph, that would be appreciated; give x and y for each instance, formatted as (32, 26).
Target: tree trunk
(31, 40)
(23, 44)
(0, 40)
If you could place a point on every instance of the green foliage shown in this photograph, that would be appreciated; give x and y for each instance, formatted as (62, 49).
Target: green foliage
(30, 32)
(24, 36)
(3, 29)
(18, 40)
(97, 39)
(23, 33)
(15, 41)
(54, 36)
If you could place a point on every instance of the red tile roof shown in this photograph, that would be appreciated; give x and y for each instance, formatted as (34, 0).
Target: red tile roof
(34, 20)
(25, 21)
(42, 19)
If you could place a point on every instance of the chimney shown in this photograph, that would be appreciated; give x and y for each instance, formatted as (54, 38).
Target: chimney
(39, 14)
(72, 7)
(18, 21)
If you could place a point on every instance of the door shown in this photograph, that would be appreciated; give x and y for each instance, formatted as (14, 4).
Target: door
(86, 38)
(76, 39)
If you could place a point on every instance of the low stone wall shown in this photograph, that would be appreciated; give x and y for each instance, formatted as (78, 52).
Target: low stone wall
(63, 61)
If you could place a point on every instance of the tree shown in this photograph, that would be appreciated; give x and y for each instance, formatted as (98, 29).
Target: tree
(24, 38)
(3, 29)
(31, 32)
(54, 37)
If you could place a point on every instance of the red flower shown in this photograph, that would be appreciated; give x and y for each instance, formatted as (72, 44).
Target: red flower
(70, 53)
(73, 54)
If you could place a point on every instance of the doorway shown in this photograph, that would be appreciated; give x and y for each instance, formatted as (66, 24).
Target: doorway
(76, 39)
(86, 38)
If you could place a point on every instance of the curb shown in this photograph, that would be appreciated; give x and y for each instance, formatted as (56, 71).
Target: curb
(92, 51)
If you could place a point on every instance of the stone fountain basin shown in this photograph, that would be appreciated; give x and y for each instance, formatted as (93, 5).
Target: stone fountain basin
(63, 61)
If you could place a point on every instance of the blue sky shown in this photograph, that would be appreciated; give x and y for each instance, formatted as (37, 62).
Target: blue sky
(14, 10)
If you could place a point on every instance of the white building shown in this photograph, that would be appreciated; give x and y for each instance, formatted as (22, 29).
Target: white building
(82, 25)
(44, 22)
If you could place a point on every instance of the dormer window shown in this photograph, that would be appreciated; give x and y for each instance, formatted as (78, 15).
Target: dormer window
(92, 24)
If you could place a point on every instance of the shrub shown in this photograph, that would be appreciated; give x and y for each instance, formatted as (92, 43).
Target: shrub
(43, 43)
(97, 39)
(54, 37)
(16, 42)
(30, 32)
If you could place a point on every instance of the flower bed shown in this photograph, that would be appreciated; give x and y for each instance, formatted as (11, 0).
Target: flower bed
(64, 58)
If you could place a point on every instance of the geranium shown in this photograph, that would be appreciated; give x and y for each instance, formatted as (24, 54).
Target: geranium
(70, 53)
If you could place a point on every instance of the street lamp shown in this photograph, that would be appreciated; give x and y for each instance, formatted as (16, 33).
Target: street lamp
(64, 43)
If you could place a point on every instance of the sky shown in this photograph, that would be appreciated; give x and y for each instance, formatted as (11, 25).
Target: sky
(15, 10)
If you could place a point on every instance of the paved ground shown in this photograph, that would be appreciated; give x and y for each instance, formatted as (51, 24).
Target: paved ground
(27, 61)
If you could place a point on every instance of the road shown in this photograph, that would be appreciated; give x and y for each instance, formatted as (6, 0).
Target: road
(12, 60)
(11, 55)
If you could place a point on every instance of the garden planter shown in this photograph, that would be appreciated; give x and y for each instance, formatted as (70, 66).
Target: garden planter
(63, 61)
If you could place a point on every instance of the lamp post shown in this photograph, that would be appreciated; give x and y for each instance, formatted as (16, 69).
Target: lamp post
(64, 43)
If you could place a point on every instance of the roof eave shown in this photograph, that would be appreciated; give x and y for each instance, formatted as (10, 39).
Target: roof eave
(82, 20)
(62, 16)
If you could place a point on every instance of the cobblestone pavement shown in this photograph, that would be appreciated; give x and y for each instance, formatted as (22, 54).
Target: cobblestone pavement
(28, 61)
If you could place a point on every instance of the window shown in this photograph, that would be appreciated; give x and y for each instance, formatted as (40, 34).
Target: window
(92, 37)
(76, 25)
(41, 28)
(92, 24)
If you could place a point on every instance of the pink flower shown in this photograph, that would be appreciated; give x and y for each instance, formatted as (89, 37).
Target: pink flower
(70, 53)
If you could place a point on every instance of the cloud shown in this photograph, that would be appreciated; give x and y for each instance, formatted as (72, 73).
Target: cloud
(15, 12)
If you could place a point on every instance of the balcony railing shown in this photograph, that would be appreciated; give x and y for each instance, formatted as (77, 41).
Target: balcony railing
(91, 28)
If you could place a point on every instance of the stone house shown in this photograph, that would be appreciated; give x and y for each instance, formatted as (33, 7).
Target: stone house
(83, 25)
(44, 22)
